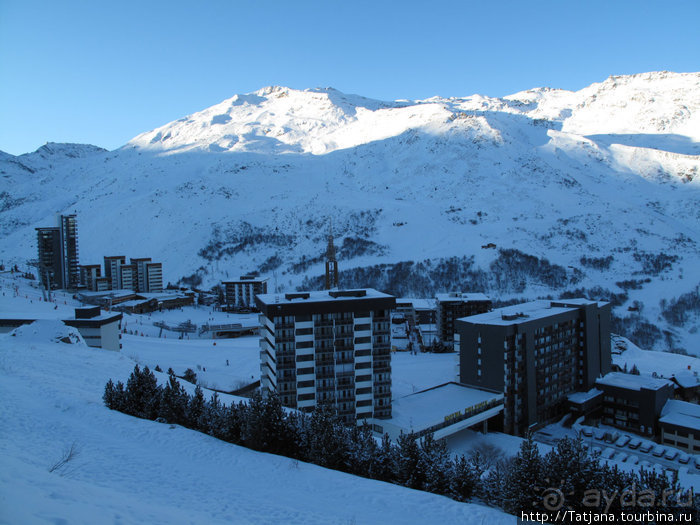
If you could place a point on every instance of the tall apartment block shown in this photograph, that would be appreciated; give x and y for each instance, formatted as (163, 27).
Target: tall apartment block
(451, 306)
(112, 265)
(241, 293)
(58, 253)
(328, 347)
(536, 353)
(154, 277)
(89, 275)
(140, 265)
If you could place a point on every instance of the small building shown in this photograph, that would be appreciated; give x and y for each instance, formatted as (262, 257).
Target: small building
(442, 410)
(633, 402)
(100, 330)
(455, 305)
(680, 425)
(241, 293)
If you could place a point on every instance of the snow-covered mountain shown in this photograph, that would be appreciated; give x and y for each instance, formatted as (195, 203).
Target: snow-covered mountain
(592, 192)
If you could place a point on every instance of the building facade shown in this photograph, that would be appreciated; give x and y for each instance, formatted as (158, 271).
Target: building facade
(57, 247)
(241, 293)
(454, 305)
(328, 347)
(536, 353)
(112, 265)
(154, 277)
(633, 402)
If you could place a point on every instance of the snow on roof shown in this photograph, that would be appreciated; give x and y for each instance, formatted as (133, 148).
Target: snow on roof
(681, 413)
(582, 397)
(322, 296)
(462, 296)
(430, 407)
(108, 293)
(522, 313)
(631, 382)
(648, 362)
(418, 304)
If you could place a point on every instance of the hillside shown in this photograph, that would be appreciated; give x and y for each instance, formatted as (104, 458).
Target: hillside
(593, 192)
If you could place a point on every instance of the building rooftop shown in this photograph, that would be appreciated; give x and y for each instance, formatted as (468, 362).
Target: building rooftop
(321, 296)
(631, 382)
(418, 304)
(681, 413)
(424, 409)
(461, 296)
(582, 397)
(524, 312)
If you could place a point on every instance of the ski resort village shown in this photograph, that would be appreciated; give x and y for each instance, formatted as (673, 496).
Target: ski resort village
(313, 307)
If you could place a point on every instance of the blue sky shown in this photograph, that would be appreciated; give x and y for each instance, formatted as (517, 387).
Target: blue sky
(102, 72)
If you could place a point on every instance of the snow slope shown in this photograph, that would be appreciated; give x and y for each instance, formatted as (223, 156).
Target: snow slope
(126, 470)
(609, 172)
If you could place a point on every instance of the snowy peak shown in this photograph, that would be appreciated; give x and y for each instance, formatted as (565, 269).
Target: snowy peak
(277, 119)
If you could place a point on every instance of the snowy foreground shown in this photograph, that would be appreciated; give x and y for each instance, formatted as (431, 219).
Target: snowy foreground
(128, 470)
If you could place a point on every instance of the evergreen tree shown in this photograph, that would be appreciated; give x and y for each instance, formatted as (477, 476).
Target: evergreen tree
(464, 479)
(115, 396)
(524, 484)
(195, 410)
(410, 468)
(173, 402)
(142, 394)
(385, 464)
(437, 465)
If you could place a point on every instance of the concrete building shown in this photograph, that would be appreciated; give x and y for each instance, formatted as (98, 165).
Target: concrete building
(154, 277)
(241, 293)
(89, 274)
(57, 249)
(680, 425)
(633, 402)
(454, 305)
(328, 347)
(536, 353)
(112, 265)
(99, 330)
(49, 257)
(128, 277)
(140, 265)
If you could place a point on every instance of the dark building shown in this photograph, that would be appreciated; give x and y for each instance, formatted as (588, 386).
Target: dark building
(536, 353)
(241, 293)
(680, 425)
(58, 254)
(454, 305)
(331, 264)
(328, 347)
(49, 262)
(633, 402)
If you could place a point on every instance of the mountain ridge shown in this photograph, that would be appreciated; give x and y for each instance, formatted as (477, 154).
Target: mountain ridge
(558, 176)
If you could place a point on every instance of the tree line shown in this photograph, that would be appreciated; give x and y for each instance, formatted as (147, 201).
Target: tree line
(519, 484)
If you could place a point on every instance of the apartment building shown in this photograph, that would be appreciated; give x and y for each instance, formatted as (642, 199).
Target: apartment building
(328, 347)
(454, 305)
(241, 293)
(536, 353)
(154, 277)
(89, 274)
(112, 265)
(57, 249)
(633, 402)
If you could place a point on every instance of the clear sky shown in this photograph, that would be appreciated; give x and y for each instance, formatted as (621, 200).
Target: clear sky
(101, 72)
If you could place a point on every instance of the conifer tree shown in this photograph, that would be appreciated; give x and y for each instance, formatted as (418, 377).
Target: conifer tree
(525, 483)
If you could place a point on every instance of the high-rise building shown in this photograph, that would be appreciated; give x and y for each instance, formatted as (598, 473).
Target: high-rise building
(58, 253)
(331, 263)
(154, 277)
(451, 306)
(241, 293)
(328, 347)
(536, 353)
(140, 264)
(89, 274)
(112, 265)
